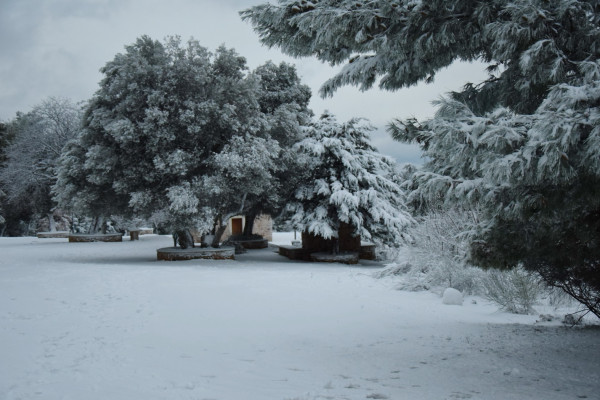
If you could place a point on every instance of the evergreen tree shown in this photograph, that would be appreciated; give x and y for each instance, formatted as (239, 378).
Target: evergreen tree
(347, 182)
(524, 144)
(250, 172)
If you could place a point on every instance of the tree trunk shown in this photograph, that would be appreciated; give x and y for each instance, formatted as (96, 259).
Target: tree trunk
(184, 238)
(249, 224)
(51, 223)
(218, 234)
(97, 225)
(103, 227)
(335, 246)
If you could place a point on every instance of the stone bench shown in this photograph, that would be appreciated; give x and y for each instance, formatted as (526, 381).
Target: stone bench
(55, 234)
(253, 243)
(193, 253)
(95, 237)
(367, 251)
(292, 252)
(134, 234)
(350, 257)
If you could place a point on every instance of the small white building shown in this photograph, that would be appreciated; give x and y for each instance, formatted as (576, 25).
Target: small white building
(263, 226)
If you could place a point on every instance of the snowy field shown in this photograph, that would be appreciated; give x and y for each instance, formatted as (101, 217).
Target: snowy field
(106, 321)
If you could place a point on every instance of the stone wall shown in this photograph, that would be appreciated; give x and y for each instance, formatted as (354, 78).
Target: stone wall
(263, 226)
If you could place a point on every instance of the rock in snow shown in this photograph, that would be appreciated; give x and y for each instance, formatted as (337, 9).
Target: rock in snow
(452, 297)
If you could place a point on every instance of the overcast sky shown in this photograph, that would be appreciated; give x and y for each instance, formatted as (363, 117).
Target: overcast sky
(56, 48)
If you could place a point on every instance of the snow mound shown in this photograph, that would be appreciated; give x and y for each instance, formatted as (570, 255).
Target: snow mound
(452, 297)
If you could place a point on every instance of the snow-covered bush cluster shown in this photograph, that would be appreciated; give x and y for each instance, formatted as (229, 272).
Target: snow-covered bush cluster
(436, 260)
(438, 250)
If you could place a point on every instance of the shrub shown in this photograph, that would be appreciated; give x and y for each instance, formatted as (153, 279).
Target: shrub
(515, 291)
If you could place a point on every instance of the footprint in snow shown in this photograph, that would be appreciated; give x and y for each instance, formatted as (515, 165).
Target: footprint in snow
(377, 396)
(459, 395)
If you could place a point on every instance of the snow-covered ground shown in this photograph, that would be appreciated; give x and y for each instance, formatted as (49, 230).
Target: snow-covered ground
(107, 321)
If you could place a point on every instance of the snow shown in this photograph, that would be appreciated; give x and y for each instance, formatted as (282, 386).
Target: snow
(452, 297)
(108, 321)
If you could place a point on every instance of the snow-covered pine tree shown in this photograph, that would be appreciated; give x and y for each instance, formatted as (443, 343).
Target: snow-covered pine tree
(525, 143)
(152, 129)
(346, 181)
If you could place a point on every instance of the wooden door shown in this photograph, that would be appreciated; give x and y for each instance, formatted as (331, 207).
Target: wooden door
(236, 226)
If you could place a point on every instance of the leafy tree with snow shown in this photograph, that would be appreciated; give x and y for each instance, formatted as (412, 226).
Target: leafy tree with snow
(524, 143)
(346, 181)
(245, 167)
(151, 130)
(257, 165)
(173, 129)
(2, 220)
(30, 161)
(283, 99)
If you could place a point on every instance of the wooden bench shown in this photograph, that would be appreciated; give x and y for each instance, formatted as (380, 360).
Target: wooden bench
(253, 243)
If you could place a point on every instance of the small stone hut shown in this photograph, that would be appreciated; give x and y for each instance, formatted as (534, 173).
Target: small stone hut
(263, 226)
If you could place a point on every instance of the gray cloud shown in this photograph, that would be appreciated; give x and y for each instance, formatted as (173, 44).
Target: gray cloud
(56, 48)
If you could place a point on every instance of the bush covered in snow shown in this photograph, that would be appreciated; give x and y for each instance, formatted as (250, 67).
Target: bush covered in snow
(436, 260)
(438, 251)
(516, 290)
